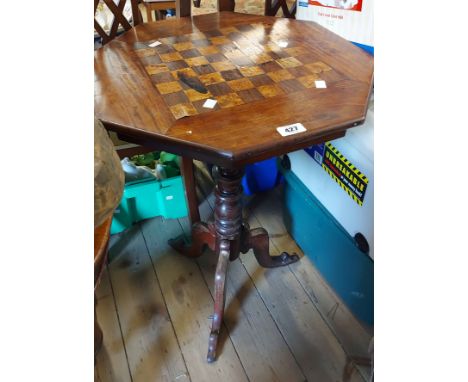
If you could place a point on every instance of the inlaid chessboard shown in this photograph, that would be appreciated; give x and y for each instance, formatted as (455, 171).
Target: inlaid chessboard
(237, 65)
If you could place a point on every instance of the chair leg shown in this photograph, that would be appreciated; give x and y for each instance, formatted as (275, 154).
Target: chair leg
(220, 297)
(190, 192)
(98, 336)
(149, 13)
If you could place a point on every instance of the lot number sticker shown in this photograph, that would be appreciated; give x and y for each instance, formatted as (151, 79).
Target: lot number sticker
(287, 130)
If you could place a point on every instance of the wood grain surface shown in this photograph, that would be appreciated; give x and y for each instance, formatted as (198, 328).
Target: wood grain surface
(128, 101)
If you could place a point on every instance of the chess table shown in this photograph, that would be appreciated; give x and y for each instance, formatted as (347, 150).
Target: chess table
(267, 76)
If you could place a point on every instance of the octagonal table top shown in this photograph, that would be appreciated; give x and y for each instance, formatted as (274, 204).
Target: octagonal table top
(152, 84)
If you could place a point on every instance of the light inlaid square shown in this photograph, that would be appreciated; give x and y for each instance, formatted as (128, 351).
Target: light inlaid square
(236, 53)
(308, 81)
(296, 51)
(318, 67)
(183, 110)
(196, 36)
(289, 62)
(155, 69)
(220, 40)
(228, 30)
(229, 100)
(189, 72)
(211, 78)
(223, 65)
(194, 95)
(271, 47)
(183, 46)
(197, 61)
(250, 50)
(270, 90)
(169, 87)
(206, 50)
(169, 57)
(241, 84)
(250, 71)
(280, 75)
(261, 58)
(145, 52)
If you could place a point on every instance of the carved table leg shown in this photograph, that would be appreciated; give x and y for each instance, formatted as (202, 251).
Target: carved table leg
(220, 295)
(258, 240)
(228, 236)
(228, 221)
(98, 336)
(202, 234)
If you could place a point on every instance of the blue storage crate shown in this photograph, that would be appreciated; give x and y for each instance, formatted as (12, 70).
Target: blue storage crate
(347, 269)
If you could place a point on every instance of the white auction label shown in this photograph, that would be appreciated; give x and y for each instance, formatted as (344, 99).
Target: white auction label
(295, 128)
(155, 44)
(210, 103)
(320, 84)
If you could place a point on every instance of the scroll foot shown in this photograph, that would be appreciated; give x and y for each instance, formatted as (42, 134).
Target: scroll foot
(202, 235)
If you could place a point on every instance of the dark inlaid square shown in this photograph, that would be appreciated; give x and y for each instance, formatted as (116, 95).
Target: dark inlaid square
(190, 53)
(234, 36)
(221, 88)
(141, 45)
(151, 60)
(203, 69)
(203, 42)
(168, 40)
(260, 80)
(230, 75)
(174, 65)
(159, 78)
(182, 38)
(250, 95)
(162, 49)
(277, 54)
(175, 98)
(299, 71)
(291, 86)
(213, 33)
(245, 28)
(215, 57)
(270, 66)
(199, 106)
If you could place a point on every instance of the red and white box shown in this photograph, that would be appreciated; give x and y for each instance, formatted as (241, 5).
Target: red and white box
(350, 19)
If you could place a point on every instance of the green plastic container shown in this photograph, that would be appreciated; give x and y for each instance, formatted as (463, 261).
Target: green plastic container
(149, 198)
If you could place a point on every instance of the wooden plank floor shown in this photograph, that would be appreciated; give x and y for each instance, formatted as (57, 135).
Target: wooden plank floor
(282, 324)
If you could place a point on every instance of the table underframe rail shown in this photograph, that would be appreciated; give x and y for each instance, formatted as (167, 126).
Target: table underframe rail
(228, 236)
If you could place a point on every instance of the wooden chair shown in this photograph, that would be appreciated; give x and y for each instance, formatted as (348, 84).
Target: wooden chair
(120, 21)
(157, 5)
(183, 9)
(273, 6)
(101, 240)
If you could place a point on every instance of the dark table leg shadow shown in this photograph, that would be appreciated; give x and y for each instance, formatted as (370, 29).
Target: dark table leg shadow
(228, 236)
